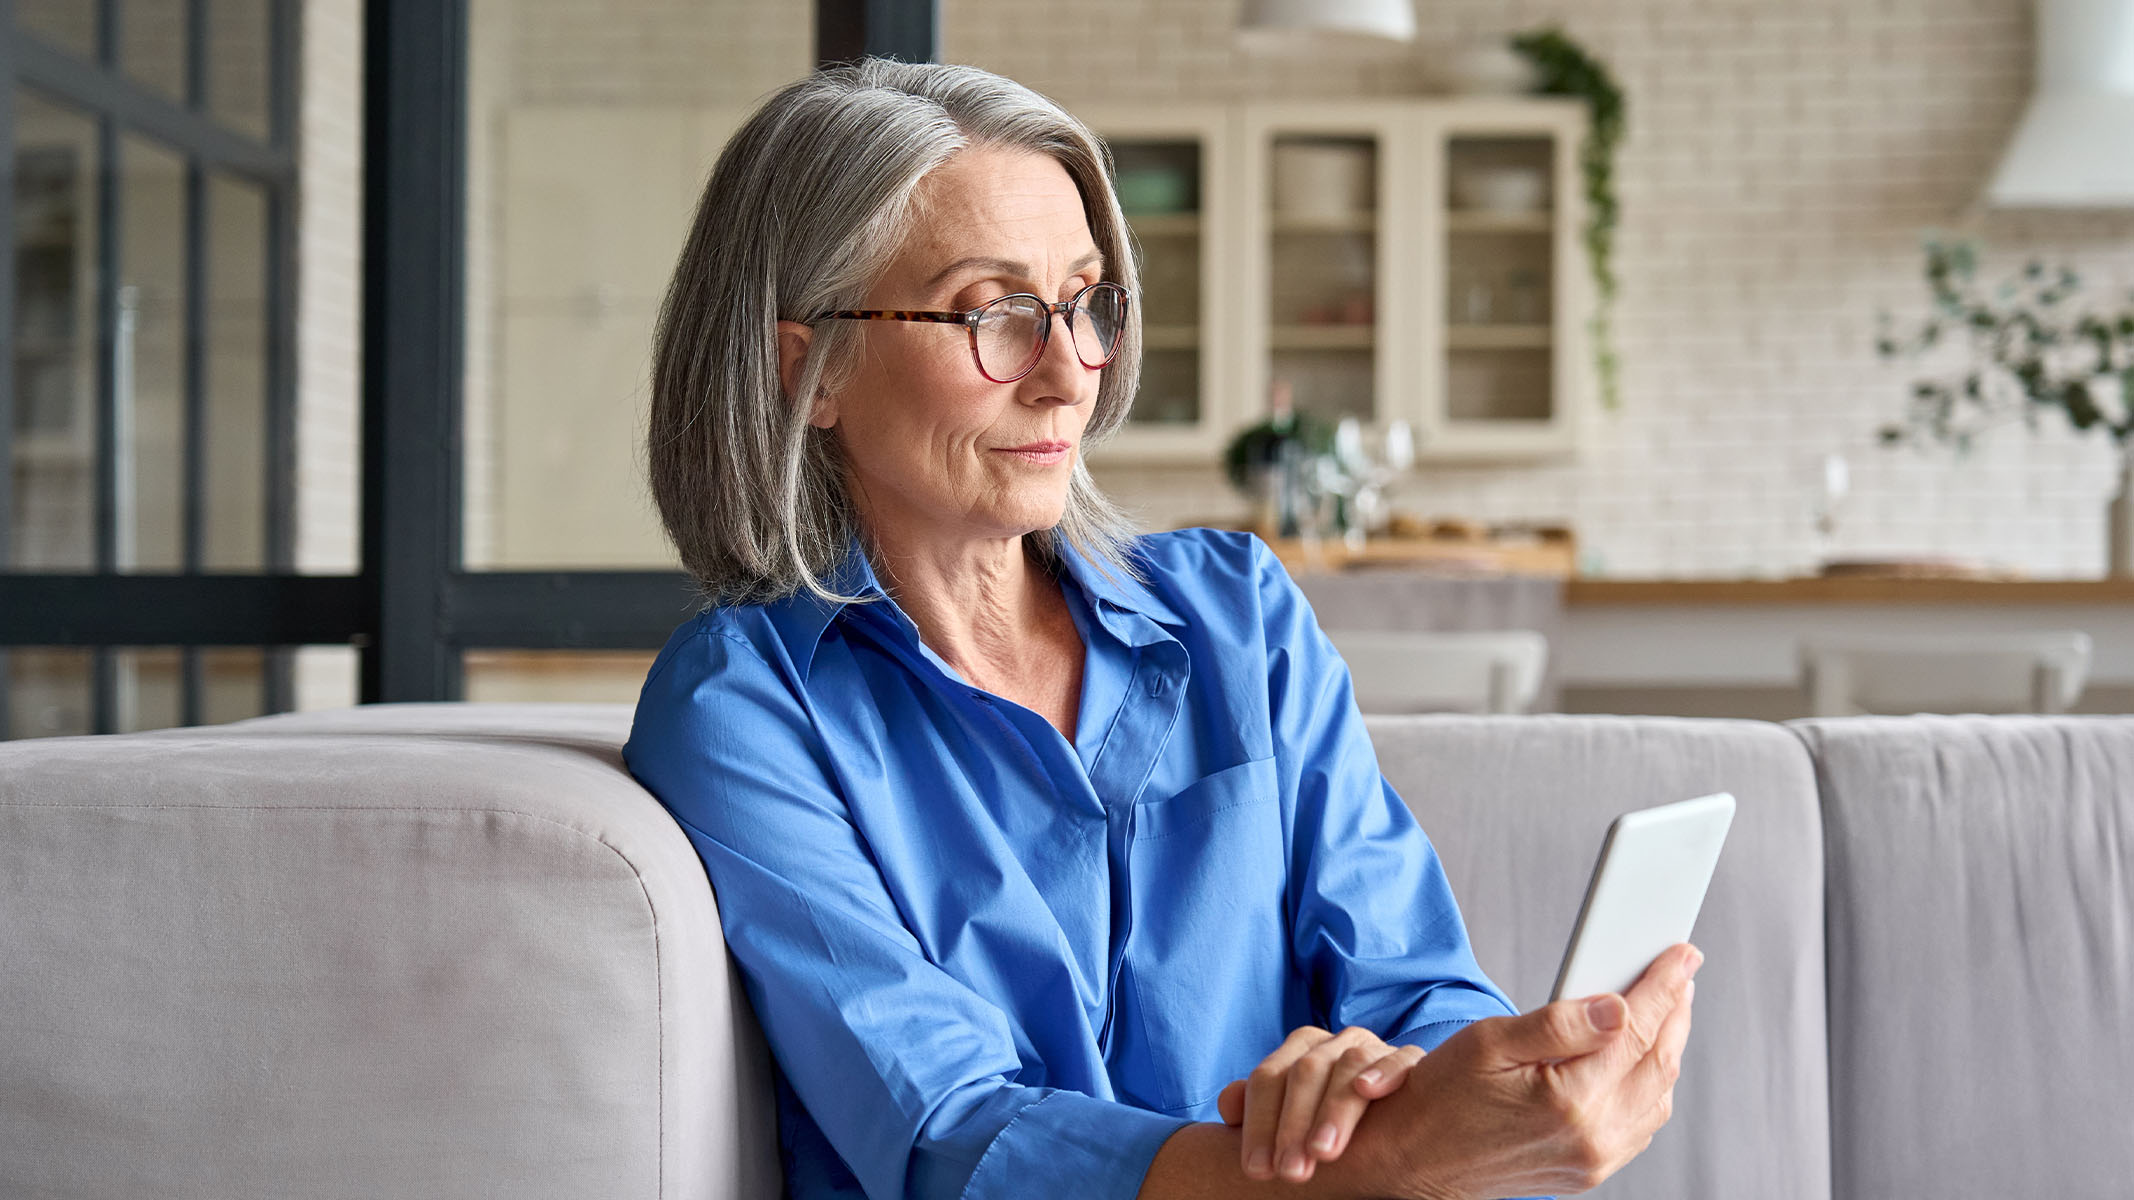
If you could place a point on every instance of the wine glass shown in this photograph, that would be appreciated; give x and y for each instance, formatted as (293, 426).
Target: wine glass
(1834, 484)
(1364, 466)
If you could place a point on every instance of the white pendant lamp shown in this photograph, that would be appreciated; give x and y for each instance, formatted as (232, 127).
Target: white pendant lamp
(1265, 21)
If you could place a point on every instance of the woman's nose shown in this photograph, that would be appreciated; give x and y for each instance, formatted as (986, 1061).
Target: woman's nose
(1059, 371)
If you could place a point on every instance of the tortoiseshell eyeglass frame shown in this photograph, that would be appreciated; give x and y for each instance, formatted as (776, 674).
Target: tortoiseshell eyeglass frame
(971, 317)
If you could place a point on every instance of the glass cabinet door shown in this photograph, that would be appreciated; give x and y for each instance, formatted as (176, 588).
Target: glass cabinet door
(1506, 258)
(1159, 184)
(1171, 174)
(1325, 183)
(1323, 289)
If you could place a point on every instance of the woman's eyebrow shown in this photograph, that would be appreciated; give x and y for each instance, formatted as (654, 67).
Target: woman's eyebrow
(1007, 266)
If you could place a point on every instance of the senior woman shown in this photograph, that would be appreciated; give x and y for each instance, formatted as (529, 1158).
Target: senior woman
(1055, 859)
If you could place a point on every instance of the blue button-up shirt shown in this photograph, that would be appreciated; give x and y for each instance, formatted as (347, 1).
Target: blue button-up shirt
(988, 959)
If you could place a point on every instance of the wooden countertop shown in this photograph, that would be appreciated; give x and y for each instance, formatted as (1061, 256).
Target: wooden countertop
(1855, 590)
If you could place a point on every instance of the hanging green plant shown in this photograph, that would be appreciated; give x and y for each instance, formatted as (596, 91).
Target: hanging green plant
(1565, 69)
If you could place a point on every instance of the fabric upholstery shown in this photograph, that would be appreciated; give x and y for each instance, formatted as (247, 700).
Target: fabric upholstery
(1981, 954)
(424, 950)
(1517, 807)
(453, 950)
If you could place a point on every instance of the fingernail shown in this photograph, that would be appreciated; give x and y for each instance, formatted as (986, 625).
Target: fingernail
(1696, 959)
(1261, 1163)
(1324, 1139)
(1371, 1077)
(1604, 1014)
(1294, 1166)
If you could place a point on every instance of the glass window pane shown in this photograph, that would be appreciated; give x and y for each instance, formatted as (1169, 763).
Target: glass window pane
(234, 474)
(53, 475)
(150, 358)
(49, 692)
(329, 237)
(232, 683)
(152, 41)
(70, 24)
(150, 688)
(571, 676)
(326, 677)
(589, 143)
(238, 51)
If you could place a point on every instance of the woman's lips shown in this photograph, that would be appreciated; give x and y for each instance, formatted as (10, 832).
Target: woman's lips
(1041, 453)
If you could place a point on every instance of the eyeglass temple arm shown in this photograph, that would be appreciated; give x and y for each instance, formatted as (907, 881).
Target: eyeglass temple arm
(895, 314)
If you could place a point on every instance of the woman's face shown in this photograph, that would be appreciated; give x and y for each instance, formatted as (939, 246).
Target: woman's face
(935, 451)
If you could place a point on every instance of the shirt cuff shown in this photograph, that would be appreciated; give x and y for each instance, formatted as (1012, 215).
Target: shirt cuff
(1430, 1036)
(1070, 1141)
(1446, 1012)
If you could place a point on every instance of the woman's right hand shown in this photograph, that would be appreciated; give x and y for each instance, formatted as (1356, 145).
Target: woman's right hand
(1547, 1103)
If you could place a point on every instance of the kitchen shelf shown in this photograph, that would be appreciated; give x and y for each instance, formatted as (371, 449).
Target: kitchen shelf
(41, 450)
(1499, 337)
(1248, 280)
(1170, 337)
(1353, 223)
(1487, 222)
(1164, 224)
(1322, 337)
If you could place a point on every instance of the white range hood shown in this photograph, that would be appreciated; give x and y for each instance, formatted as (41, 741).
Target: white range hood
(2075, 146)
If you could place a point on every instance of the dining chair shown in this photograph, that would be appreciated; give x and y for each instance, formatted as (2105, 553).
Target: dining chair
(1909, 673)
(1494, 671)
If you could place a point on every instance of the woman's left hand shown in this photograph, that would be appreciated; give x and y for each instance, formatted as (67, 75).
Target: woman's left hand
(1302, 1102)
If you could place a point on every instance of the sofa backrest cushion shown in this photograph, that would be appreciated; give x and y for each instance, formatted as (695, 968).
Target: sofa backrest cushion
(1981, 954)
(407, 950)
(1517, 807)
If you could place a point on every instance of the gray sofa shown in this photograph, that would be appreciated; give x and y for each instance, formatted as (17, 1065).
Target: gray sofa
(453, 950)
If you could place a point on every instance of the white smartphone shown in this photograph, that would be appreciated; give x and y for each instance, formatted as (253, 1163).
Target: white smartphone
(1646, 889)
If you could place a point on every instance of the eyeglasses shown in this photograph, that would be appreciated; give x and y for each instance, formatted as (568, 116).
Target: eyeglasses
(1008, 335)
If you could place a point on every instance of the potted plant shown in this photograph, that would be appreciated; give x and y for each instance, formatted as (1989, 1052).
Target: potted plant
(1565, 68)
(2032, 345)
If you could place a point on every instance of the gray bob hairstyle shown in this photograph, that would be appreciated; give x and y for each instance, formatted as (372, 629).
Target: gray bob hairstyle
(804, 210)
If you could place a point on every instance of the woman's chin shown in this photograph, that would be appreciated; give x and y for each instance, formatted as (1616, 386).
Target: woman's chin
(1032, 516)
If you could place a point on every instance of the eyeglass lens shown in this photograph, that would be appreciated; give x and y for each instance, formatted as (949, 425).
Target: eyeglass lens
(1008, 332)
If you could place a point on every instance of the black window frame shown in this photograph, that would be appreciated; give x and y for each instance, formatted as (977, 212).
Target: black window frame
(411, 610)
(105, 610)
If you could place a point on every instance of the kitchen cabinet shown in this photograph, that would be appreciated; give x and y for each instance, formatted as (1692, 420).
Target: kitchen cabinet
(1388, 260)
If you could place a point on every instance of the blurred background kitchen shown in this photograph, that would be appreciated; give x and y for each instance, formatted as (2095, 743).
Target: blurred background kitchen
(1643, 356)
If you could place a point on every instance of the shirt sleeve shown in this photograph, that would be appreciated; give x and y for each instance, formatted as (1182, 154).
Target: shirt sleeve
(908, 1073)
(1374, 924)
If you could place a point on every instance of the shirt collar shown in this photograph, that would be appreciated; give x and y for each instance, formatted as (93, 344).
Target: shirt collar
(1115, 595)
(801, 618)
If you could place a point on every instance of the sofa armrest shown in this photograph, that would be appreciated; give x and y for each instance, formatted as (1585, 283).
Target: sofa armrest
(435, 950)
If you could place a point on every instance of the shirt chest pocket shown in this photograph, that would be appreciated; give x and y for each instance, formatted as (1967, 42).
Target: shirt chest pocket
(1207, 965)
